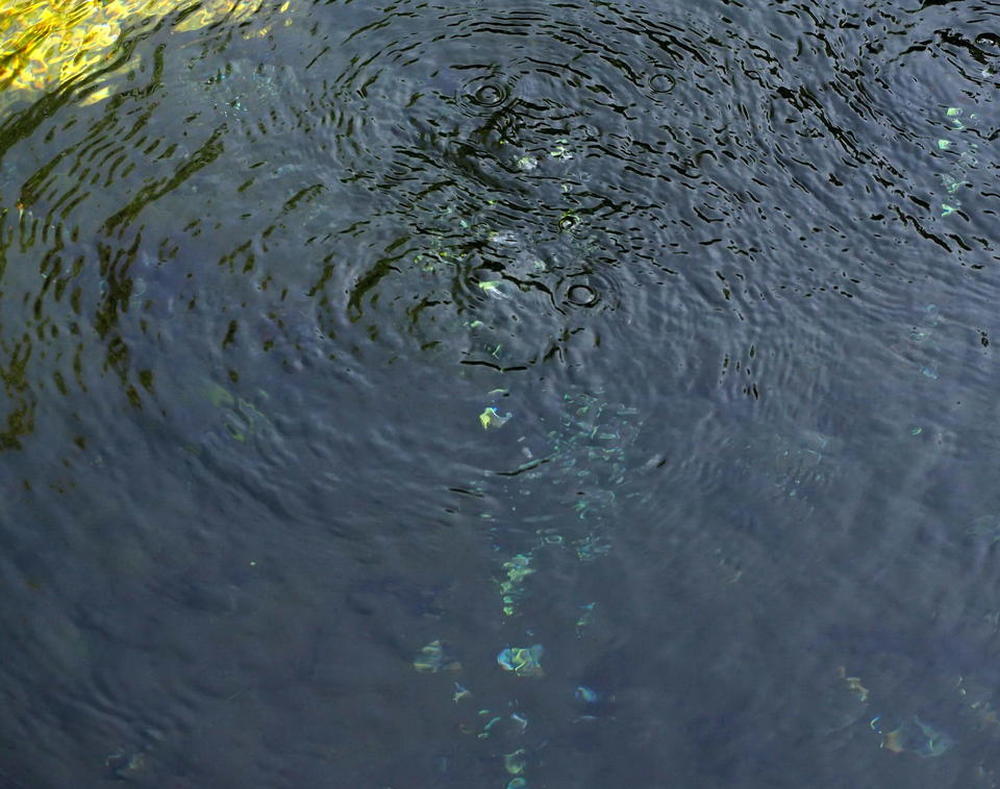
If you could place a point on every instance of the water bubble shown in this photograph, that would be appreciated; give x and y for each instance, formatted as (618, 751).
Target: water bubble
(568, 222)
(461, 692)
(485, 94)
(523, 661)
(433, 658)
(491, 418)
(527, 163)
(124, 765)
(989, 43)
(517, 569)
(561, 150)
(515, 762)
(489, 95)
(662, 83)
(582, 296)
(493, 288)
(915, 736)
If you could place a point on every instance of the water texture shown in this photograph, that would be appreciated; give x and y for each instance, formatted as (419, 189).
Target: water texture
(540, 395)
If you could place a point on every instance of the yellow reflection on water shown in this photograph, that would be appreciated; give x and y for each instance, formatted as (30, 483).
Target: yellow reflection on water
(47, 43)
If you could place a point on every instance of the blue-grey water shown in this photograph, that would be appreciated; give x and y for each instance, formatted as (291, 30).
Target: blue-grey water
(555, 395)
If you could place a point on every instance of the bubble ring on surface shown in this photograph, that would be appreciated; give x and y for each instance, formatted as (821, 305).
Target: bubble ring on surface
(582, 295)
(593, 288)
(988, 43)
(662, 83)
(486, 92)
(489, 95)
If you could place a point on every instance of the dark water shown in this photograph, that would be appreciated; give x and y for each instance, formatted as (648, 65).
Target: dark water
(730, 271)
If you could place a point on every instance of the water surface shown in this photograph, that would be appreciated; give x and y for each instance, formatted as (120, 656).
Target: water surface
(725, 276)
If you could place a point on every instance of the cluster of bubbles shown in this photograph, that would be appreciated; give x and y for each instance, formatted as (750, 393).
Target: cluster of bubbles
(585, 459)
(965, 163)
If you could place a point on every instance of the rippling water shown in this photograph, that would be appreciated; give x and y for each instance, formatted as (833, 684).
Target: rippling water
(351, 352)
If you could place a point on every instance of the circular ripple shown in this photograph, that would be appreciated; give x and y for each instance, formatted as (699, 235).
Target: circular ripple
(582, 295)
(662, 83)
(488, 94)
